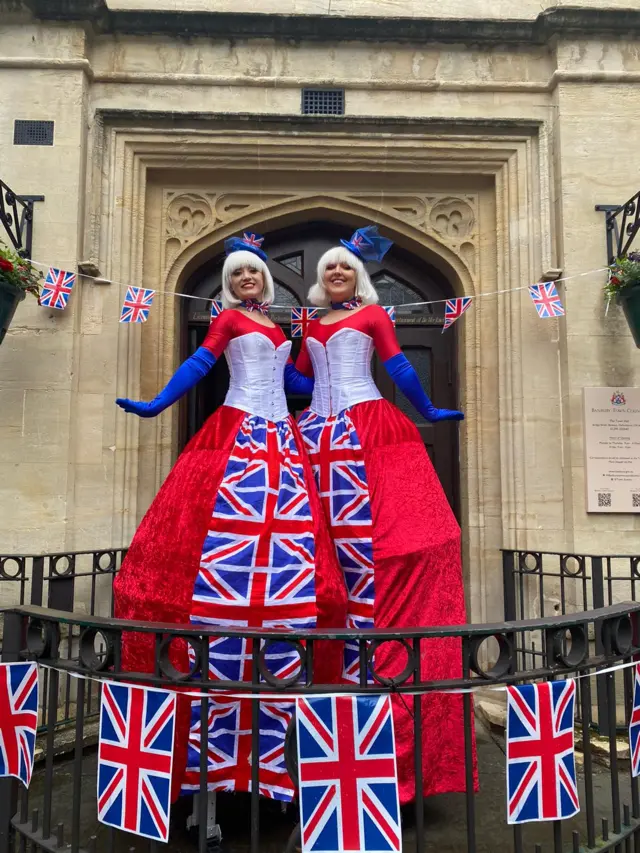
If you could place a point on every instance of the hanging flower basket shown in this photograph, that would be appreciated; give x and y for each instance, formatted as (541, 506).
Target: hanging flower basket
(624, 287)
(17, 278)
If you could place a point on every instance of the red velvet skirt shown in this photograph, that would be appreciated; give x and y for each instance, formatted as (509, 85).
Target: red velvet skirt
(398, 544)
(236, 536)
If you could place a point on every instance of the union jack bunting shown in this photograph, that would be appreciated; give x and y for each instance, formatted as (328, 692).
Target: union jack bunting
(634, 726)
(135, 755)
(545, 298)
(454, 309)
(300, 319)
(136, 305)
(391, 311)
(18, 719)
(216, 309)
(257, 569)
(338, 463)
(348, 777)
(541, 770)
(57, 288)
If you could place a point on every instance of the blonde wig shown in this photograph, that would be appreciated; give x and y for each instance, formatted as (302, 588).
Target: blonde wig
(341, 255)
(237, 260)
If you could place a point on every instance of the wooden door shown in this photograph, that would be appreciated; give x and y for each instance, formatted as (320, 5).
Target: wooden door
(400, 280)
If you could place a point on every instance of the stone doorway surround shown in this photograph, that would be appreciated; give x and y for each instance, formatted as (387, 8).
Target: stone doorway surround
(473, 199)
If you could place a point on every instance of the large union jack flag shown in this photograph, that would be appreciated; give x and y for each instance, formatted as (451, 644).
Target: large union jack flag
(338, 463)
(634, 726)
(257, 569)
(57, 288)
(546, 299)
(348, 776)
(300, 319)
(135, 755)
(136, 305)
(454, 309)
(541, 771)
(18, 719)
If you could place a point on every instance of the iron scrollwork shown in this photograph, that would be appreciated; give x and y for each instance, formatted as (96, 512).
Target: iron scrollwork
(16, 215)
(622, 226)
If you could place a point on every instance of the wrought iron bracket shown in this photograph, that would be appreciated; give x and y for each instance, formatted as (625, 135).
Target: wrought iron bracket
(16, 215)
(622, 223)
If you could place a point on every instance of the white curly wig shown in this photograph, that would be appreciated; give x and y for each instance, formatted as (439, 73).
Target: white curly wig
(341, 255)
(237, 260)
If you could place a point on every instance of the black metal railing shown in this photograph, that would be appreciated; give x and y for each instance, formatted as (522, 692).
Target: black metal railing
(16, 215)
(622, 224)
(80, 581)
(542, 583)
(59, 809)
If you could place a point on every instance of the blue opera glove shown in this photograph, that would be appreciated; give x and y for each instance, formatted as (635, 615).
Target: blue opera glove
(186, 376)
(400, 370)
(296, 382)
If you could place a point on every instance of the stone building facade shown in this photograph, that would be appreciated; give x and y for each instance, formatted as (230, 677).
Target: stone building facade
(480, 140)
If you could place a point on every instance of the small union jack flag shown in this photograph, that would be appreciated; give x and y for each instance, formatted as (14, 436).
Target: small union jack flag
(18, 719)
(634, 726)
(541, 769)
(300, 319)
(253, 240)
(135, 755)
(216, 309)
(454, 309)
(545, 298)
(136, 305)
(57, 288)
(391, 311)
(348, 777)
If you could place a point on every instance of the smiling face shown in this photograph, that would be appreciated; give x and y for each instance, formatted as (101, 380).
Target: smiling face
(339, 281)
(247, 283)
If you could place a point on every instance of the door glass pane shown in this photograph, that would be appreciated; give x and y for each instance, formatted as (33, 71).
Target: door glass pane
(420, 358)
(393, 291)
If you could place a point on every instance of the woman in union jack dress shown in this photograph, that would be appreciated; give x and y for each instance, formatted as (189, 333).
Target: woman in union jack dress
(396, 538)
(236, 537)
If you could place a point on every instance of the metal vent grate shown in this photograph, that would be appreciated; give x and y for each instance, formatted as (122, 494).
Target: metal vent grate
(325, 102)
(32, 132)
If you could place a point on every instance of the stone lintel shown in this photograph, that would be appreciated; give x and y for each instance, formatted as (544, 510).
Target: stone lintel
(573, 21)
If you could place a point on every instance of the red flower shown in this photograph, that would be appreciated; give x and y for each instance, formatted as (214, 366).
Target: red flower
(6, 266)
(614, 280)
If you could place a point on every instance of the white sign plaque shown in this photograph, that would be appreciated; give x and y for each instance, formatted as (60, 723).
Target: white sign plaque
(612, 449)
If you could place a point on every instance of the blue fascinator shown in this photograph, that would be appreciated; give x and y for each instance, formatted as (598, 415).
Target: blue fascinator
(247, 243)
(367, 244)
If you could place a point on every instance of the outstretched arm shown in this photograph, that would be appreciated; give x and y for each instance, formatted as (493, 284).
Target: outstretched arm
(401, 370)
(186, 376)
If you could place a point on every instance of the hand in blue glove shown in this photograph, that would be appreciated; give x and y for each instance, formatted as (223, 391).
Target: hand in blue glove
(296, 382)
(401, 371)
(186, 376)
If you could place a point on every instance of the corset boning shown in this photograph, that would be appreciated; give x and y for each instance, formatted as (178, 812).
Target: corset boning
(256, 370)
(342, 371)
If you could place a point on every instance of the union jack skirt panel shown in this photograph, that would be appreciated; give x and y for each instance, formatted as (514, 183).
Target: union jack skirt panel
(541, 770)
(257, 569)
(18, 719)
(348, 775)
(338, 464)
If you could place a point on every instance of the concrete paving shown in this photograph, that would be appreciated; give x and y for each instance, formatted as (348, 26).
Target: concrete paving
(445, 816)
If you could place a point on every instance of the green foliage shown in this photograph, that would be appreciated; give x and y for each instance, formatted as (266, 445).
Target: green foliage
(19, 272)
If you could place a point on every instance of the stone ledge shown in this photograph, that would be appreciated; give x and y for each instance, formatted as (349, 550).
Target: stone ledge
(574, 21)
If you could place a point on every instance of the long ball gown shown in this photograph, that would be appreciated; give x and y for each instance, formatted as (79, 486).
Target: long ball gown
(236, 537)
(396, 538)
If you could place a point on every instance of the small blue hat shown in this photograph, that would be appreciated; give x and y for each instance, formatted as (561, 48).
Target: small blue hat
(247, 243)
(367, 244)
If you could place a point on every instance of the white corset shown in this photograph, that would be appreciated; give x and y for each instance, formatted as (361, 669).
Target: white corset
(256, 369)
(342, 372)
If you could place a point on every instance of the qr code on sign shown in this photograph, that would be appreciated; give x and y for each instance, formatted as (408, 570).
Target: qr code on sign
(635, 500)
(604, 500)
